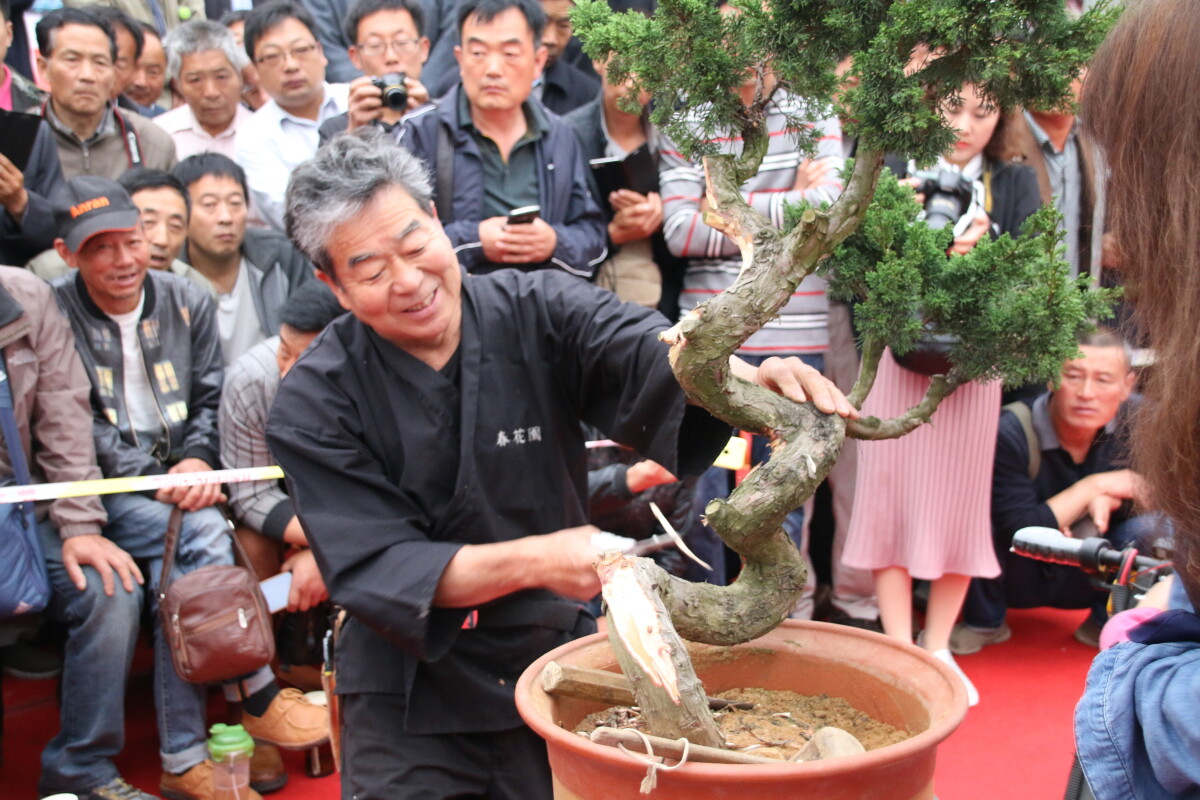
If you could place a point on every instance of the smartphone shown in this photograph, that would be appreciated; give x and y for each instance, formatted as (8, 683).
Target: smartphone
(524, 215)
(276, 589)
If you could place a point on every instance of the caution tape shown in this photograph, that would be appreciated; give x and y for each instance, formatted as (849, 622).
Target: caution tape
(141, 483)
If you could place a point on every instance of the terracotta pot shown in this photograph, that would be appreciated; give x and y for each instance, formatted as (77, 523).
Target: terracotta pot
(895, 683)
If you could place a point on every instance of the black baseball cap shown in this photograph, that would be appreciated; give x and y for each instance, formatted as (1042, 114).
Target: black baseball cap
(88, 205)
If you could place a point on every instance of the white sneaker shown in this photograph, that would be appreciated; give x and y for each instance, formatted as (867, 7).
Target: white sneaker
(947, 658)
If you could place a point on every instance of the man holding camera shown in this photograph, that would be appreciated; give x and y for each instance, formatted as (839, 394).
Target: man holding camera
(390, 47)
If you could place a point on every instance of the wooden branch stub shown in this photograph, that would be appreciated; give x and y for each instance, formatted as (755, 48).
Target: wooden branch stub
(673, 749)
(583, 683)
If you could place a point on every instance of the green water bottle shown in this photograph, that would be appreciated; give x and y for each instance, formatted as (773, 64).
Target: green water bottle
(230, 748)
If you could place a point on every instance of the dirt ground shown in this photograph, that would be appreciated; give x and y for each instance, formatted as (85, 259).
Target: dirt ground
(778, 726)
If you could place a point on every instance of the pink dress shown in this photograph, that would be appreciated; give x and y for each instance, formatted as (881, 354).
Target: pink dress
(923, 500)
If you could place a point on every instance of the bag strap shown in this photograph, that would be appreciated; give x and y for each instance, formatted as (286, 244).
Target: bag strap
(175, 525)
(8, 423)
(1025, 416)
(443, 199)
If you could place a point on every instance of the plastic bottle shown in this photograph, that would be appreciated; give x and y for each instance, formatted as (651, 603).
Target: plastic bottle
(230, 748)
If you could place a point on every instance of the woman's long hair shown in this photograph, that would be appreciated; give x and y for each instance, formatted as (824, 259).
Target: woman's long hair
(1139, 103)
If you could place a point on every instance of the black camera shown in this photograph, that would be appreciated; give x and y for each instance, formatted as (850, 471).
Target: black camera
(391, 87)
(947, 195)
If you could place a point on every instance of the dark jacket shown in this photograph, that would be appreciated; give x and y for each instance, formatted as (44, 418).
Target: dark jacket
(566, 87)
(21, 240)
(183, 360)
(277, 268)
(563, 193)
(423, 465)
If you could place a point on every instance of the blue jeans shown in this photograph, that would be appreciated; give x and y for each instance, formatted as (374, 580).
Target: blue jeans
(1027, 583)
(102, 632)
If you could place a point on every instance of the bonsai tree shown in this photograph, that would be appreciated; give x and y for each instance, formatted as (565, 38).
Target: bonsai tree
(1010, 305)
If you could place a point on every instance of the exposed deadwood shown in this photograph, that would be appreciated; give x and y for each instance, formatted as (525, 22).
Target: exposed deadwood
(827, 743)
(673, 748)
(651, 654)
(583, 683)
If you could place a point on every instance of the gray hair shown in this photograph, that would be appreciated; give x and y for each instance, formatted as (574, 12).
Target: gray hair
(199, 36)
(335, 186)
(1104, 336)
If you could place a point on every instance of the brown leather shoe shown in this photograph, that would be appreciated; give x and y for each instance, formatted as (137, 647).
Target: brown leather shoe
(291, 722)
(195, 784)
(267, 773)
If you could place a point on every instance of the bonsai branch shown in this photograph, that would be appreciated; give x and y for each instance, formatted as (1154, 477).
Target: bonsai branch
(940, 386)
(872, 352)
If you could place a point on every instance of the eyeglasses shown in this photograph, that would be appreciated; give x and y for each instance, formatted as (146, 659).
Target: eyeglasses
(377, 47)
(276, 58)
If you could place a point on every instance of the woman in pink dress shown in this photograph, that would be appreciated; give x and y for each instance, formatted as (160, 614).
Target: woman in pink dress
(922, 508)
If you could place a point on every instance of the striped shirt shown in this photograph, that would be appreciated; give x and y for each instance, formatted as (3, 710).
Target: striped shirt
(714, 261)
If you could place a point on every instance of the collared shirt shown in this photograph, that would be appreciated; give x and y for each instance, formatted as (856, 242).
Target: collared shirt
(107, 126)
(513, 183)
(1063, 168)
(272, 143)
(191, 138)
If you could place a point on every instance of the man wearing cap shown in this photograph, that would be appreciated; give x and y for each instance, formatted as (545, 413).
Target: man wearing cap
(148, 340)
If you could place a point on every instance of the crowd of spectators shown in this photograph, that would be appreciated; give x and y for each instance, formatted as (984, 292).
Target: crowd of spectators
(157, 301)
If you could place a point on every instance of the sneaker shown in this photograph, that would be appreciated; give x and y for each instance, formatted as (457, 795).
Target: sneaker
(291, 722)
(195, 784)
(267, 773)
(1088, 633)
(29, 663)
(117, 789)
(965, 640)
(948, 659)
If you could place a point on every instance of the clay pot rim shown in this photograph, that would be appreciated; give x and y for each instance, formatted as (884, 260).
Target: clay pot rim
(938, 731)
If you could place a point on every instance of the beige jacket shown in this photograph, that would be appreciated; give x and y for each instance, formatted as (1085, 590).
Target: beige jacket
(50, 399)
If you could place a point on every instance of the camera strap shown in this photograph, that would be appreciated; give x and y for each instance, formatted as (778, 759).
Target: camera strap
(987, 190)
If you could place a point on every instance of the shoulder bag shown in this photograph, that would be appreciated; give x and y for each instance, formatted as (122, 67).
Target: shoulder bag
(24, 585)
(215, 619)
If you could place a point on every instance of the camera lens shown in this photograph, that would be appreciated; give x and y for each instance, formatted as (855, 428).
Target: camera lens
(393, 90)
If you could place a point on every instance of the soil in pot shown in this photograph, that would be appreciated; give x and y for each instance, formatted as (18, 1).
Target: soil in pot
(778, 726)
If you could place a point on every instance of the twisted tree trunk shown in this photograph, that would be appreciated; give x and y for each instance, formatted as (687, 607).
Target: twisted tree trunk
(651, 611)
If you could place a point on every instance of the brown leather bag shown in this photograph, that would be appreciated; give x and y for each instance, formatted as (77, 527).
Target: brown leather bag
(215, 619)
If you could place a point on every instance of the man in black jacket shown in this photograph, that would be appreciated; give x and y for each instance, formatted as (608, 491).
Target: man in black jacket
(256, 269)
(433, 451)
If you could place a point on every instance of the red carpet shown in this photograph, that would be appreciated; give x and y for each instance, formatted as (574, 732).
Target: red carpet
(1015, 744)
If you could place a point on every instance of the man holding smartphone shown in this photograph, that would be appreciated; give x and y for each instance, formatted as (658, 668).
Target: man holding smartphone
(494, 150)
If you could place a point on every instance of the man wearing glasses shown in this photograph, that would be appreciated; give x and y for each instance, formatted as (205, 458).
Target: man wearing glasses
(282, 42)
(389, 42)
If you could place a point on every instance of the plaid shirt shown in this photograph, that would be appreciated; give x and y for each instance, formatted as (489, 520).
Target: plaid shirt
(250, 388)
